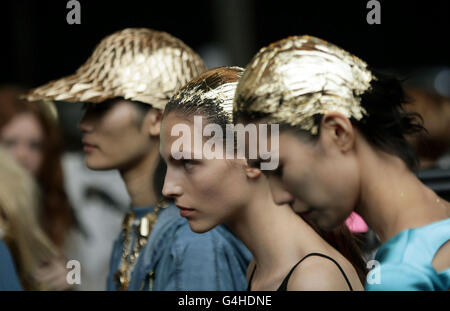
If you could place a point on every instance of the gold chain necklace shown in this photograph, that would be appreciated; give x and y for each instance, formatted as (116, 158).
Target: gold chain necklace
(129, 257)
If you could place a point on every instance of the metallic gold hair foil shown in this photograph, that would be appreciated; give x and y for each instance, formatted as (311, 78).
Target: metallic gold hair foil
(215, 87)
(301, 76)
(135, 63)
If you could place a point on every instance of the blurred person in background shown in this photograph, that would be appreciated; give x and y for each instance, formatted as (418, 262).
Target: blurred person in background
(29, 132)
(435, 111)
(32, 251)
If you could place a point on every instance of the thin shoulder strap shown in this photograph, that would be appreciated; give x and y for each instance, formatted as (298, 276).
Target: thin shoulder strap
(250, 280)
(283, 286)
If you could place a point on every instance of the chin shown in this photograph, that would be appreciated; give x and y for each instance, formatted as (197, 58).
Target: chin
(199, 228)
(97, 165)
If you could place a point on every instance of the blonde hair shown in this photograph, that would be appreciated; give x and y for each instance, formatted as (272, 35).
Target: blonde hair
(19, 220)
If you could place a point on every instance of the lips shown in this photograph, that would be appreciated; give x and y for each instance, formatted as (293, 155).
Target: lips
(88, 147)
(185, 212)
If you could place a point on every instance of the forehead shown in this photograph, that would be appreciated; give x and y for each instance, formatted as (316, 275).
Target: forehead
(175, 127)
(171, 121)
(24, 123)
(291, 146)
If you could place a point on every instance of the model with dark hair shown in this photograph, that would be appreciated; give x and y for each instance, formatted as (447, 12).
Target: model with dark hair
(342, 148)
(213, 190)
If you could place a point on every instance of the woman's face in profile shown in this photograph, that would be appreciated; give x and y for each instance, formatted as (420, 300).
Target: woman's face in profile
(316, 180)
(208, 192)
(23, 137)
(112, 136)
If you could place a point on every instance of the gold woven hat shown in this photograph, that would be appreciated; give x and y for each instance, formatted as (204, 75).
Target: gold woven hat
(135, 63)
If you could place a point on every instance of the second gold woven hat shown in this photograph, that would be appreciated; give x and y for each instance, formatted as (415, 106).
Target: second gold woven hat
(135, 63)
(299, 77)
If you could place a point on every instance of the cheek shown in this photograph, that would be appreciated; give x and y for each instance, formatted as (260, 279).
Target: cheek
(220, 186)
(345, 184)
(36, 158)
(297, 182)
(119, 144)
(339, 184)
(115, 127)
(208, 183)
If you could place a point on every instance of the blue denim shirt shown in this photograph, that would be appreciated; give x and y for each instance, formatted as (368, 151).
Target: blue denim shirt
(180, 259)
(8, 276)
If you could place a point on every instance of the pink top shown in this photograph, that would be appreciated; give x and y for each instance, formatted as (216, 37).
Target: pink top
(356, 224)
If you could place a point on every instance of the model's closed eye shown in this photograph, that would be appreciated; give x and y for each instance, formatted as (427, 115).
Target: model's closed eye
(188, 165)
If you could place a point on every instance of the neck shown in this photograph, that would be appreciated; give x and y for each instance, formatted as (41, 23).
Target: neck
(276, 236)
(393, 199)
(138, 178)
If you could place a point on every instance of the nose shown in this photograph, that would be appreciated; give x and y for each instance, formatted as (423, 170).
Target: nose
(279, 193)
(171, 188)
(86, 125)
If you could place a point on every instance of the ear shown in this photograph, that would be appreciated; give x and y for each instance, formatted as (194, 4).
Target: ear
(337, 129)
(252, 172)
(152, 121)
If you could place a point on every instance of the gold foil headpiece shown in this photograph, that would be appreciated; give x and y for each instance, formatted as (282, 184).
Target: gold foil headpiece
(298, 77)
(215, 87)
(136, 63)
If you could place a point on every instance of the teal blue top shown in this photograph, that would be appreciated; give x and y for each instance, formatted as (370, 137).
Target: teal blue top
(405, 261)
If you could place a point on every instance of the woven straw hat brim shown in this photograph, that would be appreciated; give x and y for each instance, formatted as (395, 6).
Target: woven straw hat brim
(76, 88)
(135, 64)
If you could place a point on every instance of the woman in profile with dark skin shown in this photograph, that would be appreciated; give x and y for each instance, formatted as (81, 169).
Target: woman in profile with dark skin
(288, 253)
(342, 148)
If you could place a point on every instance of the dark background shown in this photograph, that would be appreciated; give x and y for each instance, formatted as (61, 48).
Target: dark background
(38, 45)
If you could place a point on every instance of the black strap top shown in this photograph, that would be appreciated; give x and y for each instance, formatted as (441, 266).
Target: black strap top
(283, 286)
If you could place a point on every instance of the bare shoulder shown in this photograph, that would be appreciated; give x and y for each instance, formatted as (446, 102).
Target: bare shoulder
(317, 273)
(441, 260)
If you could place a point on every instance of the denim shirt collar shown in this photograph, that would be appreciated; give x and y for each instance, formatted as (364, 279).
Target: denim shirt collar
(148, 258)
